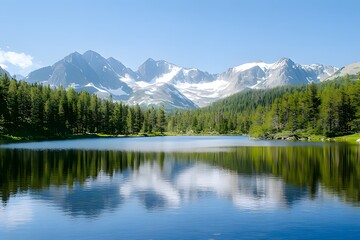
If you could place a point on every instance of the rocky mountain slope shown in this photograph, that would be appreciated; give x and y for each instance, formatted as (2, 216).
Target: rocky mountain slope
(161, 82)
(351, 69)
(3, 71)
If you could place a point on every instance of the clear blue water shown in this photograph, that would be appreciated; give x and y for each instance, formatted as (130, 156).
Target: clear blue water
(179, 188)
(178, 143)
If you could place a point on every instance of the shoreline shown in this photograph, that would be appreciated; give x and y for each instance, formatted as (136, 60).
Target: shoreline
(4, 139)
(351, 139)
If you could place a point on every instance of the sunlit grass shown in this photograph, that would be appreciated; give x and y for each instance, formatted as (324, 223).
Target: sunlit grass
(348, 138)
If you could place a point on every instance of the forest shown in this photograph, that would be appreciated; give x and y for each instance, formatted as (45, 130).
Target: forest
(331, 108)
(38, 110)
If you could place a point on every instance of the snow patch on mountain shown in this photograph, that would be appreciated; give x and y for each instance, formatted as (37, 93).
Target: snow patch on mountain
(246, 66)
(142, 84)
(129, 81)
(203, 94)
(167, 77)
(161, 82)
(93, 86)
(117, 92)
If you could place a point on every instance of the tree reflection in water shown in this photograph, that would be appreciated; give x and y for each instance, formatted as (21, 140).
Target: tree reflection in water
(89, 182)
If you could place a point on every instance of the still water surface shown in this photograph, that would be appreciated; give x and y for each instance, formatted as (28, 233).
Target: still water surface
(179, 188)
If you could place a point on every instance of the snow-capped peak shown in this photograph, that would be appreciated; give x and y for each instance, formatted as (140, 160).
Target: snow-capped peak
(158, 82)
(246, 66)
(283, 62)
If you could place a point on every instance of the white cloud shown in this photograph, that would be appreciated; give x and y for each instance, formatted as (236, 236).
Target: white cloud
(21, 60)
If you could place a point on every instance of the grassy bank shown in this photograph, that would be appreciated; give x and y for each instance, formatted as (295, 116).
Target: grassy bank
(11, 138)
(348, 138)
(277, 136)
(304, 136)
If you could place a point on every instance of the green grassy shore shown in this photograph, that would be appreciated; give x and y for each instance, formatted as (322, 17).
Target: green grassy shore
(11, 138)
(352, 138)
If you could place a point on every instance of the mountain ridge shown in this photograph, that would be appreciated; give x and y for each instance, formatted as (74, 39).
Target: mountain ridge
(161, 82)
(351, 69)
(3, 71)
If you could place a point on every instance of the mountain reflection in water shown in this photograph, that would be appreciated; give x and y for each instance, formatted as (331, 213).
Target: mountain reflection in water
(87, 183)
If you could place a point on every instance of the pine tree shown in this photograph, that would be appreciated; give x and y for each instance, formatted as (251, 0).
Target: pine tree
(94, 109)
(115, 118)
(293, 123)
(345, 111)
(152, 119)
(276, 114)
(258, 120)
(161, 121)
(312, 105)
(12, 106)
(328, 112)
(145, 124)
(129, 122)
(2, 124)
(138, 119)
(83, 111)
(37, 115)
(72, 97)
(4, 87)
(24, 108)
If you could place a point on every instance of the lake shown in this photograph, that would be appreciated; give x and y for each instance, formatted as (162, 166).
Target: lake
(179, 188)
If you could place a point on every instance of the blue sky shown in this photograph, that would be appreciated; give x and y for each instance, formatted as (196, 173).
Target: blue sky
(211, 35)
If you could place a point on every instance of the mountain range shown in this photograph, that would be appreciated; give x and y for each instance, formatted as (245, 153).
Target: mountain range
(351, 69)
(161, 82)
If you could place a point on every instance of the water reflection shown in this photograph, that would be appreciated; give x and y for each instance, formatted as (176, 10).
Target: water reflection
(250, 192)
(152, 185)
(87, 183)
(18, 213)
(88, 199)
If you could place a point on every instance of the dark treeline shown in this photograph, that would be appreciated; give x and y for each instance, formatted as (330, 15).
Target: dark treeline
(330, 108)
(31, 109)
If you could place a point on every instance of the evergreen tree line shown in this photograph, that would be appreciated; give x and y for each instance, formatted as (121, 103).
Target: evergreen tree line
(32, 109)
(330, 108)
